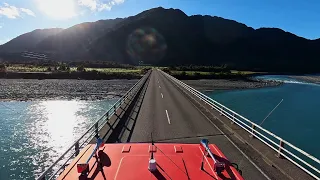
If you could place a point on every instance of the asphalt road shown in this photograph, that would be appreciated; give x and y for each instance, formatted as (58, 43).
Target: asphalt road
(170, 116)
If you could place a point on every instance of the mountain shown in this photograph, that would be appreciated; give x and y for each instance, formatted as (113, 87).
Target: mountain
(29, 40)
(169, 37)
(76, 39)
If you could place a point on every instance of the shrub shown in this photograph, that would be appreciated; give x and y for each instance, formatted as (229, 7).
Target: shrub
(81, 68)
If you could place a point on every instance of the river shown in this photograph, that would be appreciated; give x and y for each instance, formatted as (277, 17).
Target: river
(296, 119)
(34, 134)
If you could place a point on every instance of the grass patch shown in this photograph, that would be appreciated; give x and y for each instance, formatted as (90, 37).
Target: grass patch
(245, 72)
(111, 70)
(26, 69)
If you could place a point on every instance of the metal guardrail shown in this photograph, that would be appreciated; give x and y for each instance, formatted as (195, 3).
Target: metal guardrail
(292, 153)
(84, 140)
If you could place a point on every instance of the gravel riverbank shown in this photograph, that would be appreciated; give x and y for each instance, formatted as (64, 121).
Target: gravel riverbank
(224, 84)
(311, 79)
(31, 89)
(66, 89)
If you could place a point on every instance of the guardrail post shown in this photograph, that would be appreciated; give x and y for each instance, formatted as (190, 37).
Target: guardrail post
(253, 127)
(221, 109)
(281, 145)
(233, 116)
(115, 108)
(96, 127)
(107, 115)
(77, 148)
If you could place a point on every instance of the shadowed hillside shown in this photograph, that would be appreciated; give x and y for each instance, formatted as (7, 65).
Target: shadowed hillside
(29, 40)
(169, 37)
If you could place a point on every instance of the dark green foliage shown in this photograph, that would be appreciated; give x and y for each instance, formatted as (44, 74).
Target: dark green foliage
(99, 64)
(81, 68)
(144, 70)
(3, 68)
(63, 67)
(223, 68)
(167, 70)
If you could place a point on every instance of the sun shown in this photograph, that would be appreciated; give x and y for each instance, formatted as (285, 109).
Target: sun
(58, 9)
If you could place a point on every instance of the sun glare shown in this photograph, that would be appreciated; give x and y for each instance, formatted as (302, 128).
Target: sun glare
(58, 9)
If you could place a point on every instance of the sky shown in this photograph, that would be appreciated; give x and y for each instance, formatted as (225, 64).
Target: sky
(301, 17)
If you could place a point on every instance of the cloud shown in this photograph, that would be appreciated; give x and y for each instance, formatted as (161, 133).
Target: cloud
(28, 12)
(92, 4)
(10, 12)
(99, 5)
(13, 12)
(59, 9)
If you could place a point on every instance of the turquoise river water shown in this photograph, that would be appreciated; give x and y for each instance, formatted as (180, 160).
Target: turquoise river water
(34, 134)
(296, 119)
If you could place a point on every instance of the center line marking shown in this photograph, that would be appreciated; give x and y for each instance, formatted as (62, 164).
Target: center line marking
(168, 117)
(162, 95)
(159, 86)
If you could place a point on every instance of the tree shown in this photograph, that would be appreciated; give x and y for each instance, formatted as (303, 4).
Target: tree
(81, 68)
(183, 73)
(3, 68)
(63, 67)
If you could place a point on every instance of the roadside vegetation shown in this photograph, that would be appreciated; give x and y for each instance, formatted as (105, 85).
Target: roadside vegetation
(72, 70)
(206, 72)
(112, 70)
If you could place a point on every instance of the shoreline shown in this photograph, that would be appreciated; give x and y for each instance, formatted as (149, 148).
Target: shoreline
(309, 78)
(229, 84)
(95, 90)
(62, 89)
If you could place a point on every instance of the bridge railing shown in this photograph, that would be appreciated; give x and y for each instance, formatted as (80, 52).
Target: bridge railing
(283, 148)
(52, 171)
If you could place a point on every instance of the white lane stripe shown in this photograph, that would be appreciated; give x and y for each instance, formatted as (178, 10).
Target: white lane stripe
(162, 95)
(168, 117)
(159, 86)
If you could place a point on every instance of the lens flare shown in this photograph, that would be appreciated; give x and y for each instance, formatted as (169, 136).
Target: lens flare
(146, 45)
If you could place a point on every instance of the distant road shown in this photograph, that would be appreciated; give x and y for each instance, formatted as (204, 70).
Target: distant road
(171, 117)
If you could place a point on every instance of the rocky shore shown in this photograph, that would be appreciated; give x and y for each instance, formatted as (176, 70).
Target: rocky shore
(310, 78)
(66, 89)
(225, 84)
(59, 89)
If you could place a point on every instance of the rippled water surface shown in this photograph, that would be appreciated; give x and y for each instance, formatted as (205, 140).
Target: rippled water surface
(296, 119)
(34, 134)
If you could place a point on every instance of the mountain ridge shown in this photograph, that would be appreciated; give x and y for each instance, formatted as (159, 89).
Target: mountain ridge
(162, 36)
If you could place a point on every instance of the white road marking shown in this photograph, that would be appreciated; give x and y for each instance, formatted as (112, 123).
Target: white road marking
(168, 117)
(159, 86)
(162, 95)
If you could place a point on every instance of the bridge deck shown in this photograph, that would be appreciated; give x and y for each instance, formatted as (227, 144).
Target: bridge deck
(170, 114)
(171, 117)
